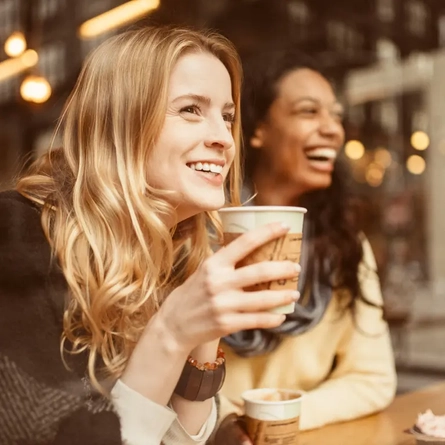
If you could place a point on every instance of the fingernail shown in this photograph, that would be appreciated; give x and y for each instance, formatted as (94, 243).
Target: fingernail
(295, 295)
(297, 267)
(285, 226)
(283, 317)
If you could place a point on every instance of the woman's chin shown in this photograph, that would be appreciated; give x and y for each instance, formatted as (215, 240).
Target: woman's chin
(214, 206)
(204, 204)
(313, 182)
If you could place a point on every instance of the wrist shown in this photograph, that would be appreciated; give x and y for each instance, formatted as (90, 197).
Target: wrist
(155, 349)
(159, 330)
(206, 352)
(201, 381)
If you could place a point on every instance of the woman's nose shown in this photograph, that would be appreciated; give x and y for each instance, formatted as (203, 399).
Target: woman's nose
(219, 136)
(331, 126)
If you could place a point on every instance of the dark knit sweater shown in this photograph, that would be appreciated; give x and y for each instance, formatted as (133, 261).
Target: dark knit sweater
(41, 402)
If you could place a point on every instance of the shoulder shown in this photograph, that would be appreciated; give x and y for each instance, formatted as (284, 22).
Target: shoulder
(32, 292)
(16, 210)
(24, 251)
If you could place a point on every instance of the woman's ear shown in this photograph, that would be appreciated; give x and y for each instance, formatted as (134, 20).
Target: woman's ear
(257, 140)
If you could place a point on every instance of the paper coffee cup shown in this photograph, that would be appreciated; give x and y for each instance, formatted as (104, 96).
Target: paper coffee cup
(272, 415)
(238, 220)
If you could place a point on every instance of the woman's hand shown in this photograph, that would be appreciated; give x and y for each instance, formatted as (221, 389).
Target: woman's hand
(209, 305)
(231, 432)
(212, 303)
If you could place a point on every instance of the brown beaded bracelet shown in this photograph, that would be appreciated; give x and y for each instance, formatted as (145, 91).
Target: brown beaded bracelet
(201, 381)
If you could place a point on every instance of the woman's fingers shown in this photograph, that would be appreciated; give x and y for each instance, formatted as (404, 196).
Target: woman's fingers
(263, 272)
(250, 241)
(257, 320)
(257, 301)
(242, 435)
(231, 432)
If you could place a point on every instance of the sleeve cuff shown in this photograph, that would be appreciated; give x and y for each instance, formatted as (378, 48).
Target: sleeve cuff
(143, 422)
(177, 434)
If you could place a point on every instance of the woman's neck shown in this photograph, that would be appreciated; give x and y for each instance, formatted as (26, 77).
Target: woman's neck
(271, 190)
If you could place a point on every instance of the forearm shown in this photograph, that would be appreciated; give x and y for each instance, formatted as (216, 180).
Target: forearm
(362, 383)
(192, 415)
(346, 398)
(156, 358)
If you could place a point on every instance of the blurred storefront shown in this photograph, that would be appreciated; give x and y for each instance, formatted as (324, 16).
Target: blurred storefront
(401, 170)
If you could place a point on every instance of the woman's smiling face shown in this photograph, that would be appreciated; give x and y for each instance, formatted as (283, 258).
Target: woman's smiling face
(302, 134)
(195, 149)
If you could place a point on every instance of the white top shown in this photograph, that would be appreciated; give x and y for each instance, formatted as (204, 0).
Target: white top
(144, 422)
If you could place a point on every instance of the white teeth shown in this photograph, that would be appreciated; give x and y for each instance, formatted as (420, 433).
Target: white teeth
(327, 153)
(207, 167)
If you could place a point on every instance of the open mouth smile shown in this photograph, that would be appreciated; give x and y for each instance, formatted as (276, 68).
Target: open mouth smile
(209, 171)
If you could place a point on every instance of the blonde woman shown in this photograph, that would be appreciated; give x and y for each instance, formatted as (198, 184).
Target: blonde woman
(111, 308)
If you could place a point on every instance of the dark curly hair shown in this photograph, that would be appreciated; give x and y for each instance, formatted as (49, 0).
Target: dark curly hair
(332, 211)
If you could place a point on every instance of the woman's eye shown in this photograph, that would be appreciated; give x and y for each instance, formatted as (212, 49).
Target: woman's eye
(229, 117)
(309, 110)
(193, 109)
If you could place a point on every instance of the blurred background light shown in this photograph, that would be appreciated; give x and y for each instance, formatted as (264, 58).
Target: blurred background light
(354, 149)
(416, 164)
(420, 140)
(374, 174)
(35, 89)
(15, 44)
(12, 67)
(383, 157)
(117, 17)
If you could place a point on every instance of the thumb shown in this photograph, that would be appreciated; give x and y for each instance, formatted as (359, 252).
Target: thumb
(243, 438)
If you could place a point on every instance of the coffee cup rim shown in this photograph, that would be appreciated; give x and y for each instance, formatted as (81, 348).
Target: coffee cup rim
(246, 398)
(263, 209)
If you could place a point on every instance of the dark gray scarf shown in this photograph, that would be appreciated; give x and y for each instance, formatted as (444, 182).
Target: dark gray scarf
(259, 341)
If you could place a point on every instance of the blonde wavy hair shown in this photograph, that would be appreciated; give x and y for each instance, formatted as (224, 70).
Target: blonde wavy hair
(101, 216)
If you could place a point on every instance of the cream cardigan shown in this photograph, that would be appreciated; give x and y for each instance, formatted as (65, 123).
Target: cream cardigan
(363, 379)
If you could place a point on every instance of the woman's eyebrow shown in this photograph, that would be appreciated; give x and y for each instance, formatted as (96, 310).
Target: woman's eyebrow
(201, 99)
(195, 97)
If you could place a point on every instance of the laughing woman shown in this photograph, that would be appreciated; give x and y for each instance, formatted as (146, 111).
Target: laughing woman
(111, 308)
(335, 346)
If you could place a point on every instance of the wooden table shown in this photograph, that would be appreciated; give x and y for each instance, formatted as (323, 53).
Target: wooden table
(385, 428)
